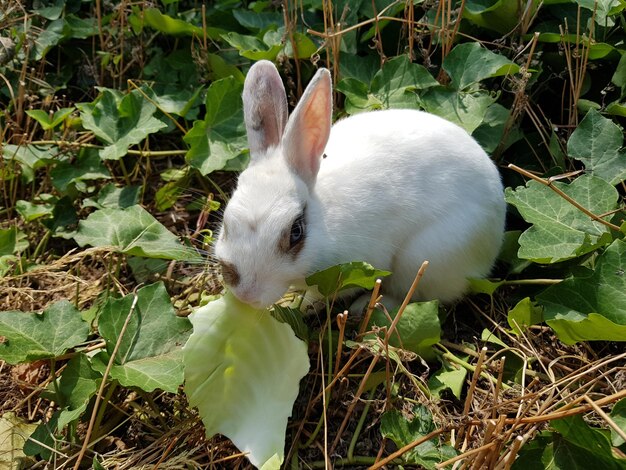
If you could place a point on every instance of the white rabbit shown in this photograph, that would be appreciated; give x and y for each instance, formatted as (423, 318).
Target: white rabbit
(392, 188)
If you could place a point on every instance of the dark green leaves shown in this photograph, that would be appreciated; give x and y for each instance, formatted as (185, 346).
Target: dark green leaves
(592, 306)
(150, 354)
(573, 445)
(469, 63)
(391, 87)
(597, 142)
(398, 76)
(31, 336)
(402, 431)
(417, 330)
(220, 136)
(343, 276)
(132, 231)
(561, 231)
(119, 121)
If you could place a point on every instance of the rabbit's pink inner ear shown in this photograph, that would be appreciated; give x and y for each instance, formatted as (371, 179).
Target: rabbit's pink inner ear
(264, 107)
(308, 130)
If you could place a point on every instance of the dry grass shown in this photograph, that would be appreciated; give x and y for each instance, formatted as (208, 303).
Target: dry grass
(337, 420)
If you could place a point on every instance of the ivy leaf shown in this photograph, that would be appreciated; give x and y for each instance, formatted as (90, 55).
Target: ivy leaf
(417, 330)
(499, 15)
(87, 166)
(469, 63)
(33, 156)
(47, 121)
(597, 142)
(573, 445)
(31, 336)
(12, 240)
(77, 385)
(402, 431)
(391, 87)
(590, 307)
(618, 415)
(132, 231)
(112, 197)
(44, 439)
(448, 377)
(120, 121)
(166, 24)
(344, 276)
(560, 231)
(252, 47)
(468, 110)
(150, 351)
(220, 137)
(523, 315)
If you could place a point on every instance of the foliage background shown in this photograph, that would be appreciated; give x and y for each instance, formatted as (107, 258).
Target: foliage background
(122, 123)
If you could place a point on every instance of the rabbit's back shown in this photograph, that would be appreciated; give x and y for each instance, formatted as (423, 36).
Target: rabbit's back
(400, 186)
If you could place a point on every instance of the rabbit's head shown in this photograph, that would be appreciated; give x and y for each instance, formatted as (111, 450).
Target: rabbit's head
(267, 223)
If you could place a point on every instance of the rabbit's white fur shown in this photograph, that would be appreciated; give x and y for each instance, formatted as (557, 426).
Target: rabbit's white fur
(395, 188)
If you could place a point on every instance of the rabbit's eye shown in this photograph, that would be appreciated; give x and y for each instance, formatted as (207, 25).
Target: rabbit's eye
(297, 231)
(291, 241)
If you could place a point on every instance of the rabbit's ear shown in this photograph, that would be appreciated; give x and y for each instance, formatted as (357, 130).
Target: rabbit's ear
(264, 107)
(308, 128)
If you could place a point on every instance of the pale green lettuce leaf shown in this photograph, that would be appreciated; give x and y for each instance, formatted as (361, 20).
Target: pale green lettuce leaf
(242, 371)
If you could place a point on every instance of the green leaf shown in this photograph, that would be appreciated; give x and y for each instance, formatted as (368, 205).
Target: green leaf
(593, 445)
(392, 86)
(603, 9)
(33, 156)
(149, 354)
(490, 132)
(468, 110)
(252, 47)
(12, 240)
(597, 142)
(417, 330)
(470, 63)
(497, 15)
(402, 431)
(257, 20)
(220, 137)
(44, 438)
(54, 33)
(560, 231)
(449, 377)
(222, 69)
(344, 276)
(86, 167)
(524, 314)
(294, 318)
(77, 385)
(242, 370)
(32, 336)
(360, 68)
(48, 121)
(619, 76)
(484, 286)
(32, 211)
(590, 307)
(120, 121)
(618, 415)
(132, 231)
(112, 197)
(168, 25)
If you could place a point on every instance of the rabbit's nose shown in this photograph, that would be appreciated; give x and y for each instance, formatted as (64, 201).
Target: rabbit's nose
(249, 296)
